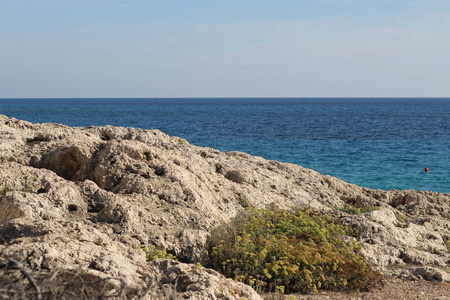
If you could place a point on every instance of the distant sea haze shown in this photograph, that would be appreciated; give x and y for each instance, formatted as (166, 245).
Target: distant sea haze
(377, 143)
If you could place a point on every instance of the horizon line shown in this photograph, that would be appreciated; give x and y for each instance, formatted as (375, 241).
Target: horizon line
(236, 97)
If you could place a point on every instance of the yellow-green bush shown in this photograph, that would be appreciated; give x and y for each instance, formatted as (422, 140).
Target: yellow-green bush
(4, 189)
(152, 253)
(401, 218)
(352, 210)
(301, 251)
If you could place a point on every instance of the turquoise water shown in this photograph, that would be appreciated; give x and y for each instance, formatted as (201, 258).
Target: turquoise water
(376, 143)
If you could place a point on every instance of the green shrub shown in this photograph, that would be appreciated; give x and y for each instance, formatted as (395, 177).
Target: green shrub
(244, 202)
(182, 142)
(7, 188)
(352, 210)
(4, 189)
(152, 253)
(300, 251)
(401, 218)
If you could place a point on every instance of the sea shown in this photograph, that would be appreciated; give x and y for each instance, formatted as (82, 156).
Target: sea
(379, 143)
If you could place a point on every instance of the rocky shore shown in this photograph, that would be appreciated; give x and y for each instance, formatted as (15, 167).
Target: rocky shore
(77, 203)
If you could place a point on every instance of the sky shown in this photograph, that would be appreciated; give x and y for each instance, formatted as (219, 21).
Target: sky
(224, 48)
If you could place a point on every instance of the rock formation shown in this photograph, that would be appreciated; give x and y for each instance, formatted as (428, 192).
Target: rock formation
(76, 204)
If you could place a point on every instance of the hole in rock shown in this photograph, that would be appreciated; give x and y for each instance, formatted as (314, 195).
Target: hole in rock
(406, 259)
(75, 164)
(219, 168)
(160, 171)
(145, 175)
(104, 136)
(148, 155)
(235, 176)
(42, 191)
(64, 162)
(72, 207)
(37, 139)
(69, 165)
(186, 255)
(96, 207)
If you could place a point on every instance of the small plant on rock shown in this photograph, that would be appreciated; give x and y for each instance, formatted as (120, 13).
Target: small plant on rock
(4, 189)
(182, 142)
(244, 202)
(152, 253)
(401, 218)
(352, 210)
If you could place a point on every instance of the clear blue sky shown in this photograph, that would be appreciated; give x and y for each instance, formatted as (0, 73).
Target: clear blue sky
(224, 48)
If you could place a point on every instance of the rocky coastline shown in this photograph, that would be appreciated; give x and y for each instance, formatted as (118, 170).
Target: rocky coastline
(76, 205)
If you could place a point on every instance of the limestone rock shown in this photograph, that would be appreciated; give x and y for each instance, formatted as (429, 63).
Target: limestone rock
(195, 282)
(85, 199)
(432, 274)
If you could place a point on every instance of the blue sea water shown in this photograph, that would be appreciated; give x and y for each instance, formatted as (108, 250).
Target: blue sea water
(376, 143)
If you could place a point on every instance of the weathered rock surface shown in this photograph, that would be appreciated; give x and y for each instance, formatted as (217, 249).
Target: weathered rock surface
(195, 282)
(85, 199)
